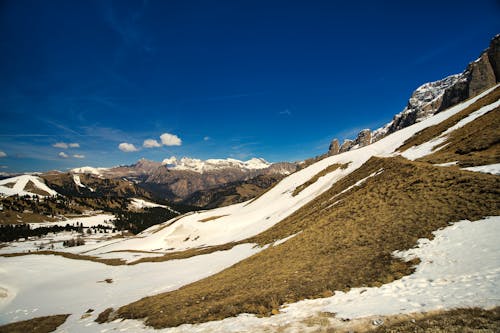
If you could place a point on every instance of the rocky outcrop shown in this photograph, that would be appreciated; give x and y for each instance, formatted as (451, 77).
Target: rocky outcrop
(346, 145)
(334, 148)
(364, 138)
(494, 56)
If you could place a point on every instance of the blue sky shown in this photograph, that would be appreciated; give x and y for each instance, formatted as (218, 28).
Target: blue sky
(271, 79)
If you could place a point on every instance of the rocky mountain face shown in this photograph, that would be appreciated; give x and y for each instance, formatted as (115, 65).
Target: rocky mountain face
(182, 182)
(433, 97)
(176, 179)
(92, 186)
(232, 193)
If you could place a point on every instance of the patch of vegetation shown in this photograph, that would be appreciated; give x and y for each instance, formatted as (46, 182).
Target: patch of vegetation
(135, 222)
(211, 218)
(104, 316)
(36, 325)
(31, 205)
(12, 232)
(454, 321)
(317, 176)
(67, 255)
(187, 253)
(78, 241)
(348, 245)
(234, 192)
(476, 143)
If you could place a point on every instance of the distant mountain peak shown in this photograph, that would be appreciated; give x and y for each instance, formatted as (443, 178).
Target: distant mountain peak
(201, 166)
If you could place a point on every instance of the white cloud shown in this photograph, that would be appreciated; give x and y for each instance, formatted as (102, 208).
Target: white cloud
(206, 138)
(170, 139)
(78, 156)
(150, 143)
(127, 147)
(61, 145)
(63, 155)
(74, 145)
(2, 154)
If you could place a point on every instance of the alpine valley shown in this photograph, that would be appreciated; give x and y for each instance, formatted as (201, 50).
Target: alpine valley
(395, 230)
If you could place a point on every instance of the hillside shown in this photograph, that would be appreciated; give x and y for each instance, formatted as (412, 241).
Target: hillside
(349, 214)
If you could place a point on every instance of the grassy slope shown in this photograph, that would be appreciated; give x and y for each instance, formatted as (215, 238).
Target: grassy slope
(454, 321)
(477, 143)
(36, 325)
(339, 247)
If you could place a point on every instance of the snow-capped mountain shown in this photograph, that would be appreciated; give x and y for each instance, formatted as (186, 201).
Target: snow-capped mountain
(25, 185)
(89, 170)
(201, 166)
(424, 102)
(176, 179)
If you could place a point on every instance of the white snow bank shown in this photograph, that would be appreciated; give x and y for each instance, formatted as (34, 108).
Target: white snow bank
(460, 267)
(136, 203)
(429, 147)
(494, 169)
(40, 285)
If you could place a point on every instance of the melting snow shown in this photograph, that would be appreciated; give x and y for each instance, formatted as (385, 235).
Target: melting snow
(494, 169)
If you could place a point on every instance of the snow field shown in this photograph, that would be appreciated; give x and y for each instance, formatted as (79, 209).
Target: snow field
(448, 276)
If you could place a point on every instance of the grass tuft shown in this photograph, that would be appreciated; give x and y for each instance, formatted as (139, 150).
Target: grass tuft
(36, 325)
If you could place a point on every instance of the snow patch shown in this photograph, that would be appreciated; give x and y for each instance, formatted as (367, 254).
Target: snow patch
(200, 166)
(136, 203)
(494, 169)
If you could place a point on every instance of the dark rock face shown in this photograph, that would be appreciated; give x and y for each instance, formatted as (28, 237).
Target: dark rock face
(183, 183)
(364, 138)
(347, 145)
(494, 56)
(334, 148)
(482, 75)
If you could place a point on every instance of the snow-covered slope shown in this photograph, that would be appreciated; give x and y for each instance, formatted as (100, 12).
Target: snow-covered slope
(136, 203)
(237, 222)
(20, 185)
(196, 165)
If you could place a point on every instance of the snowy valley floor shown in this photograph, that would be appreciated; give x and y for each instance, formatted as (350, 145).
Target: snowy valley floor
(448, 276)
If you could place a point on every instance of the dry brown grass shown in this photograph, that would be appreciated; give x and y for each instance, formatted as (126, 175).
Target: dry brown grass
(454, 321)
(111, 262)
(186, 253)
(211, 218)
(104, 316)
(345, 246)
(13, 217)
(31, 187)
(434, 131)
(35, 325)
(317, 176)
(477, 143)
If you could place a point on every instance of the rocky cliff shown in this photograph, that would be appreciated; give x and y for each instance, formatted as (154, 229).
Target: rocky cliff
(433, 97)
